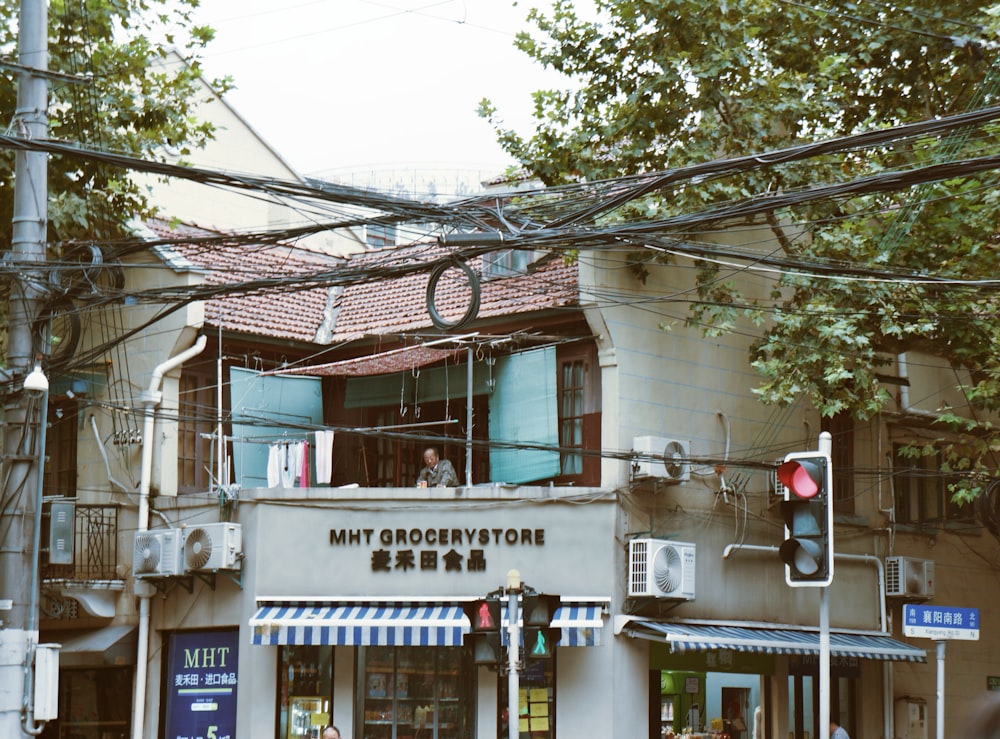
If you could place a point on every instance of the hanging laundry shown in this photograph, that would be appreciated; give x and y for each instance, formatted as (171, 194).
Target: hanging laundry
(275, 454)
(291, 464)
(304, 470)
(324, 456)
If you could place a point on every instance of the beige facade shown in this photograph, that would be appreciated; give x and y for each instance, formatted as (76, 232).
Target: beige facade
(659, 378)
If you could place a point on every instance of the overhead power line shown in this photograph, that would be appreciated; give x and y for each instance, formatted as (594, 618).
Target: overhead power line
(549, 208)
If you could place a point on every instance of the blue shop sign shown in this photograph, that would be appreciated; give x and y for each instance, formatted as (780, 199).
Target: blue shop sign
(201, 689)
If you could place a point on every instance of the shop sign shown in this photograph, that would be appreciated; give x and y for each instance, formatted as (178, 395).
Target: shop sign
(711, 660)
(433, 549)
(993, 682)
(840, 665)
(201, 687)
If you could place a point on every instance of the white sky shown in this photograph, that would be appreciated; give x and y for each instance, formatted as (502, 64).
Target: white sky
(344, 85)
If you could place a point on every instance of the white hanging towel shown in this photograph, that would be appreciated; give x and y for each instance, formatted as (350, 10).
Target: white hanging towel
(324, 456)
(274, 455)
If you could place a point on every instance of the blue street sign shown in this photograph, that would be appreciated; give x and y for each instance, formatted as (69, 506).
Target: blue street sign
(941, 622)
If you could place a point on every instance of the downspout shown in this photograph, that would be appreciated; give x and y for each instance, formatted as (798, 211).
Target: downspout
(150, 400)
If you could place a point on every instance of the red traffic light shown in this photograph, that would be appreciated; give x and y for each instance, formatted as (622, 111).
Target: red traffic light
(802, 477)
(807, 510)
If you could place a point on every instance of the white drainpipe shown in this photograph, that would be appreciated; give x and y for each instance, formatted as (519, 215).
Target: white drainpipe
(150, 400)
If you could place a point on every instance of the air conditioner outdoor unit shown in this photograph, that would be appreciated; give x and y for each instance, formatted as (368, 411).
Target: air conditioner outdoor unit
(157, 553)
(909, 577)
(660, 568)
(674, 467)
(213, 546)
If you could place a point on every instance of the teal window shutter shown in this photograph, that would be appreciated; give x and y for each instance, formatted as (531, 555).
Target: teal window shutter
(265, 410)
(523, 409)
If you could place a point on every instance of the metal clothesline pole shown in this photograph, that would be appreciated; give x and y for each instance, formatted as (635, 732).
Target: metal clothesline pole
(468, 420)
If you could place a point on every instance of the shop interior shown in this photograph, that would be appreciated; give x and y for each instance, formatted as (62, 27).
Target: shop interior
(703, 705)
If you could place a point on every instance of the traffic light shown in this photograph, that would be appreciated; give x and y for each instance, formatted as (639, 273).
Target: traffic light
(539, 636)
(484, 615)
(807, 509)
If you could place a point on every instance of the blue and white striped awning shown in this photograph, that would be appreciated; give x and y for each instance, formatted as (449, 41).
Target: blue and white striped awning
(412, 625)
(700, 637)
(580, 624)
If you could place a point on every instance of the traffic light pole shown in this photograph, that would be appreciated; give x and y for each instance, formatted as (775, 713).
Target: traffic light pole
(513, 655)
(825, 447)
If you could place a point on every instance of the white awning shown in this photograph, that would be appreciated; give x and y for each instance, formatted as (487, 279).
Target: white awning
(699, 637)
(432, 625)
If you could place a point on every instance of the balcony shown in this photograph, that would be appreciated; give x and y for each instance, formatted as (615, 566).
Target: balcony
(92, 578)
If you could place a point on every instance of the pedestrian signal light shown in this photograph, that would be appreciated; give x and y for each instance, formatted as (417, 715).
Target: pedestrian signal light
(484, 618)
(486, 649)
(539, 636)
(807, 551)
(537, 643)
(484, 615)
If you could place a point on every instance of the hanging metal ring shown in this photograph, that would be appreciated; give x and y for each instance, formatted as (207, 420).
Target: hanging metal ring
(470, 313)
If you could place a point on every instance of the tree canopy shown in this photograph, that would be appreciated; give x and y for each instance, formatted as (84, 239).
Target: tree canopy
(661, 84)
(130, 97)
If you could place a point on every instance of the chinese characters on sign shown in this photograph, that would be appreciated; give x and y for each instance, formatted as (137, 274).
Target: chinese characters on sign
(447, 549)
(941, 622)
(201, 692)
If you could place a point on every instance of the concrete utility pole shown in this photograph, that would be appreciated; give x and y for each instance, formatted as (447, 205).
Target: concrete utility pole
(22, 425)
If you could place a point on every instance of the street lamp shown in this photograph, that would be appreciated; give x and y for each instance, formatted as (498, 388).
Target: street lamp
(39, 704)
(36, 383)
(513, 646)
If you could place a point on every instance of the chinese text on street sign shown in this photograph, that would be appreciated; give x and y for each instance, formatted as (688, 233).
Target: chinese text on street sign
(941, 622)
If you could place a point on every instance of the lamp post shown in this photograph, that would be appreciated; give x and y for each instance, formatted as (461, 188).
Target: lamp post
(36, 385)
(513, 653)
(27, 245)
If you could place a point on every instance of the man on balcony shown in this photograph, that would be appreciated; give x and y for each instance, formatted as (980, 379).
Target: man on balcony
(437, 472)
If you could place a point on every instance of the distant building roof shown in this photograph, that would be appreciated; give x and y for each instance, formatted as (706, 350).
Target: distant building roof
(287, 313)
(399, 304)
(373, 306)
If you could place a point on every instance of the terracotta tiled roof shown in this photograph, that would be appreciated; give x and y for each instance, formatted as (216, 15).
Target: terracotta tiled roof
(376, 307)
(290, 315)
(400, 304)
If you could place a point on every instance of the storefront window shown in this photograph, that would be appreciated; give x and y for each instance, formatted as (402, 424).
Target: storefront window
(416, 692)
(803, 694)
(701, 702)
(305, 675)
(536, 701)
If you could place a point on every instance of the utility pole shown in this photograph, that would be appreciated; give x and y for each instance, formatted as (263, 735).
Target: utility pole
(22, 424)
